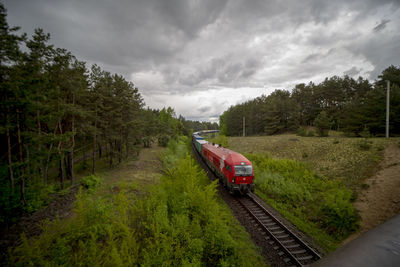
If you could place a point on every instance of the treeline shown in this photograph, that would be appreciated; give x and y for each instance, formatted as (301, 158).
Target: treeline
(341, 103)
(199, 125)
(55, 112)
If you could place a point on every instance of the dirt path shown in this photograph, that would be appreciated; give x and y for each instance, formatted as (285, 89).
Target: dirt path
(381, 200)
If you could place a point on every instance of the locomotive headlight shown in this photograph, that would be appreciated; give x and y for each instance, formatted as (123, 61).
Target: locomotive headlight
(233, 180)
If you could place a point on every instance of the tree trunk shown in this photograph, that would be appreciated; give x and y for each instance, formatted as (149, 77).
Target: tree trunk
(73, 144)
(111, 154)
(94, 146)
(9, 156)
(10, 170)
(118, 145)
(46, 173)
(40, 142)
(62, 177)
(21, 162)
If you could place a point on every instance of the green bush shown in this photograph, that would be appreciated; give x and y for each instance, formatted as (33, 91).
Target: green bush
(364, 144)
(323, 123)
(310, 133)
(220, 140)
(301, 131)
(163, 140)
(91, 182)
(365, 133)
(147, 141)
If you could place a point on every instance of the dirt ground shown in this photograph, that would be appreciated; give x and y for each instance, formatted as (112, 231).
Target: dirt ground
(380, 200)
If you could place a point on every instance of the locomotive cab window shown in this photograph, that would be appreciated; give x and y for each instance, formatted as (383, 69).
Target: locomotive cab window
(243, 170)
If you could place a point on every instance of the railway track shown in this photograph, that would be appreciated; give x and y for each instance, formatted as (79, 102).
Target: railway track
(287, 245)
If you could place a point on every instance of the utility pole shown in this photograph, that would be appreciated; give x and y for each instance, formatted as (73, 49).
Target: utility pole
(244, 126)
(387, 107)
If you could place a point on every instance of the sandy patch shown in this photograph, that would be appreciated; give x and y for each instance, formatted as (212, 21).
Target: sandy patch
(381, 200)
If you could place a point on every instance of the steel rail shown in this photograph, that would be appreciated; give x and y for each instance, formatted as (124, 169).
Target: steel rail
(295, 260)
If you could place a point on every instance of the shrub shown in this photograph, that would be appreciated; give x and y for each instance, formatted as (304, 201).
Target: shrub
(323, 123)
(310, 133)
(301, 131)
(91, 182)
(364, 144)
(163, 140)
(365, 133)
(147, 141)
(221, 140)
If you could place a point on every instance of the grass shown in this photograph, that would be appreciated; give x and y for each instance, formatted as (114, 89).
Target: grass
(349, 160)
(177, 219)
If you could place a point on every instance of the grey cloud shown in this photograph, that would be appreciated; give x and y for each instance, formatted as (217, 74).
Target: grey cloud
(133, 34)
(311, 57)
(381, 25)
(352, 72)
(204, 109)
(170, 38)
(226, 70)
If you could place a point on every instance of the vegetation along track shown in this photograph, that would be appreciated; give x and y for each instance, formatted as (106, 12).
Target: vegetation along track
(288, 246)
(280, 245)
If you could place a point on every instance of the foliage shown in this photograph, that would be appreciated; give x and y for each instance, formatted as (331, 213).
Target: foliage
(323, 123)
(179, 222)
(293, 187)
(301, 131)
(91, 182)
(220, 139)
(365, 144)
(365, 133)
(163, 140)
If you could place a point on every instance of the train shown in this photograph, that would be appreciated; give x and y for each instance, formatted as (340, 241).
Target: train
(234, 171)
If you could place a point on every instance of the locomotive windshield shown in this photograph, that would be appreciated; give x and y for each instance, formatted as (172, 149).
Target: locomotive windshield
(243, 170)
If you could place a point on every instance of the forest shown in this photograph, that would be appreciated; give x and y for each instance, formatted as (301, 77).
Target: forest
(56, 112)
(354, 106)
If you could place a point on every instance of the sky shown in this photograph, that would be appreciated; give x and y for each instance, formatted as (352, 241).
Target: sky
(202, 56)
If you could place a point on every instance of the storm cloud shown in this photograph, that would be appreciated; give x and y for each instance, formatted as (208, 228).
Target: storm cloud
(200, 57)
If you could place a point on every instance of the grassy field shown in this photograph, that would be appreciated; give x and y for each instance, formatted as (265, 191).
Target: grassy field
(349, 160)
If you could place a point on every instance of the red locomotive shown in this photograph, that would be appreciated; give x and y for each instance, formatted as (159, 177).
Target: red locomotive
(234, 171)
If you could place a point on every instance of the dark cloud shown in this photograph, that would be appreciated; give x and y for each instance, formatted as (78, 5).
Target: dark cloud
(381, 25)
(204, 109)
(352, 72)
(172, 48)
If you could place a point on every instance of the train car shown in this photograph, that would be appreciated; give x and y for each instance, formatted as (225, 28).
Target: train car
(198, 144)
(233, 170)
